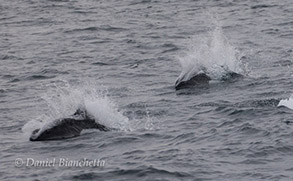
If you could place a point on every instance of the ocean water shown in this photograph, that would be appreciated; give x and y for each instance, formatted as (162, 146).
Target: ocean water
(120, 60)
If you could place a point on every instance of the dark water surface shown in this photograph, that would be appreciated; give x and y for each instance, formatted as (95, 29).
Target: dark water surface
(121, 59)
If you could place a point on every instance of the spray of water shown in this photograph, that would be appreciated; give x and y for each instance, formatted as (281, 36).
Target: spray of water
(62, 100)
(212, 54)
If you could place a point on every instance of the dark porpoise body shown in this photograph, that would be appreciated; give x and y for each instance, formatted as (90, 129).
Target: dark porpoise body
(198, 79)
(68, 127)
(202, 79)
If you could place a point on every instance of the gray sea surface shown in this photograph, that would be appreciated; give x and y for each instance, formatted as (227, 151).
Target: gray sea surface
(120, 59)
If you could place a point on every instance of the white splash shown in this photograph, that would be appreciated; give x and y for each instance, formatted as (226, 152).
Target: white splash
(287, 103)
(34, 124)
(106, 113)
(63, 100)
(212, 54)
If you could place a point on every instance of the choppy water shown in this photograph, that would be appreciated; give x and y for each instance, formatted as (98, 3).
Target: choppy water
(121, 60)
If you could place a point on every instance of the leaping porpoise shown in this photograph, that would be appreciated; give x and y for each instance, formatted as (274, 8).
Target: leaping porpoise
(202, 78)
(68, 127)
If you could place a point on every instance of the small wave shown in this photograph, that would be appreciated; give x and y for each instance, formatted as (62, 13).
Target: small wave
(249, 129)
(100, 28)
(285, 23)
(283, 63)
(141, 172)
(101, 63)
(82, 29)
(150, 171)
(264, 151)
(3, 91)
(32, 77)
(136, 2)
(286, 35)
(169, 47)
(9, 57)
(271, 31)
(260, 6)
(38, 75)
